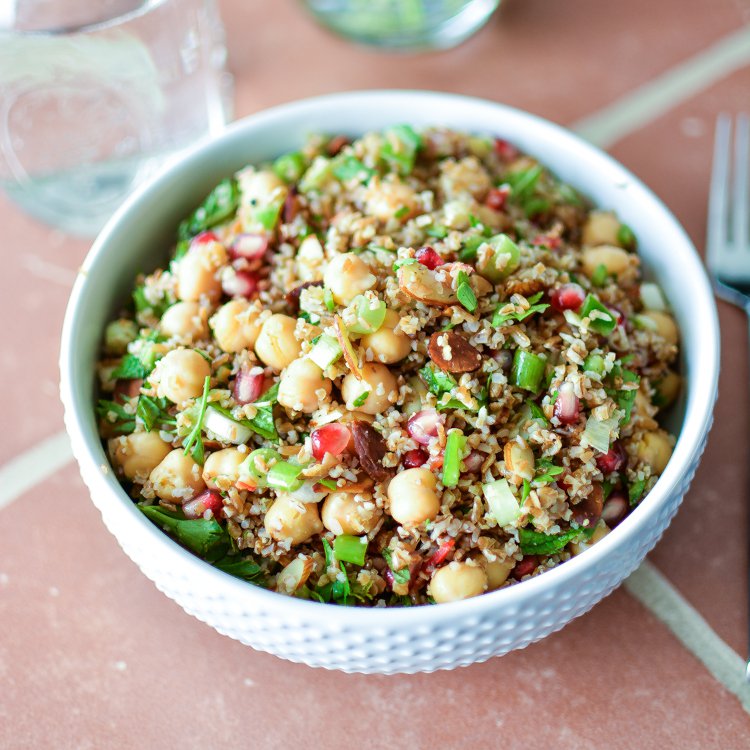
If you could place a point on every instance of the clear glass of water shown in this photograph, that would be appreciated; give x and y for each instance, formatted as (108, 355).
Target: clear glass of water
(95, 96)
(408, 25)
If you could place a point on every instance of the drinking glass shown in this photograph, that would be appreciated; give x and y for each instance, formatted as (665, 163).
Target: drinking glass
(96, 96)
(404, 24)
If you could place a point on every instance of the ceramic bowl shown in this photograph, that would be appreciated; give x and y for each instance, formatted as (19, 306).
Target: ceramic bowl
(401, 639)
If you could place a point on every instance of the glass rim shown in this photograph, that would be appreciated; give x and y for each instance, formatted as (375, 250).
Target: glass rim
(146, 6)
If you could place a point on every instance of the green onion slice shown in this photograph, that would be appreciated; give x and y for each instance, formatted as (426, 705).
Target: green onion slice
(527, 370)
(455, 446)
(351, 549)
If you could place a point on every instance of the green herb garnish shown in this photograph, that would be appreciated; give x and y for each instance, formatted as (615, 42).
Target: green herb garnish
(193, 444)
(360, 400)
(537, 543)
(348, 167)
(535, 306)
(220, 205)
(547, 471)
(437, 381)
(123, 423)
(465, 293)
(402, 575)
(635, 491)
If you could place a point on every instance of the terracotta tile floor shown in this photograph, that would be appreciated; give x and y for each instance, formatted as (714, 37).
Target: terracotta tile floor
(92, 656)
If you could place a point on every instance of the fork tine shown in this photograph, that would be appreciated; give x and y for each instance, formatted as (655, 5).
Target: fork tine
(718, 199)
(741, 168)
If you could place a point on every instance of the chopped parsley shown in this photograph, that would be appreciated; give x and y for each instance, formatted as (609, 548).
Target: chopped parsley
(538, 543)
(499, 319)
(402, 575)
(548, 471)
(193, 444)
(123, 422)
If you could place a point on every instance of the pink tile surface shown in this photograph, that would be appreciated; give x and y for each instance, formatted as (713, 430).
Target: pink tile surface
(93, 656)
(704, 551)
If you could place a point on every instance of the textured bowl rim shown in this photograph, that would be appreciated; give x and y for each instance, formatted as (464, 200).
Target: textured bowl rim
(701, 388)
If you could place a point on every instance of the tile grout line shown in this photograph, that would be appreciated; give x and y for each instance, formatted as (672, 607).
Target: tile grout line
(650, 101)
(654, 591)
(33, 466)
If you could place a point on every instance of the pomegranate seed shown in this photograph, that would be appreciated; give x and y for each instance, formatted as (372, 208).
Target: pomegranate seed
(527, 566)
(389, 579)
(415, 458)
(439, 556)
(330, 438)
(207, 500)
(612, 460)
(567, 405)
(552, 241)
(428, 257)
(505, 150)
(619, 315)
(249, 246)
(474, 461)
(615, 509)
(240, 284)
(423, 426)
(248, 387)
(203, 238)
(567, 297)
(497, 198)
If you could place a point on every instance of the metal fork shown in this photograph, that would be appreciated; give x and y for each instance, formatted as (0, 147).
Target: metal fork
(727, 243)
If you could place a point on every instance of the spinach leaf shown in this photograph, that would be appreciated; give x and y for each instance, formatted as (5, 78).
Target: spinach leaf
(537, 543)
(142, 303)
(220, 205)
(635, 491)
(153, 411)
(130, 368)
(123, 422)
(263, 422)
(206, 538)
(194, 442)
(241, 567)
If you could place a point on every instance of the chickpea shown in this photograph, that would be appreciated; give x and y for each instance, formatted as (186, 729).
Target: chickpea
(310, 258)
(464, 177)
(614, 259)
(236, 326)
(378, 380)
(343, 514)
(668, 388)
(187, 320)
(601, 228)
(388, 345)
(197, 272)
(583, 543)
(663, 325)
(177, 478)
(224, 466)
(180, 375)
(413, 497)
(497, 572)
(383, 198)
(288, 518)
(456, 581)
(303, 387)
(347, 275)
(655, 448)
(262, 187)
(137, 454)
(276, 345)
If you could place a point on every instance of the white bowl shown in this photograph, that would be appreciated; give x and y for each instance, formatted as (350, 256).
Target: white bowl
(417, 639)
